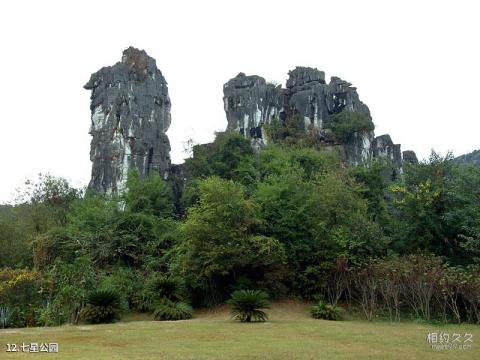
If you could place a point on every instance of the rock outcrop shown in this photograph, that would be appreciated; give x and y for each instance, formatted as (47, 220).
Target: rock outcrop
(130, 114)
(383, 146)
(130, 109)
(410, 157)
(308, 94)
(251, 103)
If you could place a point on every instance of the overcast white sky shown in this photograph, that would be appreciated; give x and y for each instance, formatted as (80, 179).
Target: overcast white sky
(415, 64)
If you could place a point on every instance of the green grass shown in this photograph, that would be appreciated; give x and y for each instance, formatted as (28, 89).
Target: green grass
(289, 334)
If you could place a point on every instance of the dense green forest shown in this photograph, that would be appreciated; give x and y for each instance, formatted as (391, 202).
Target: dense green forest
(291, 220)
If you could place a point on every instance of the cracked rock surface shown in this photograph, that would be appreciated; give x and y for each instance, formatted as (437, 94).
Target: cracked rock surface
(130, 110)
(250, 103)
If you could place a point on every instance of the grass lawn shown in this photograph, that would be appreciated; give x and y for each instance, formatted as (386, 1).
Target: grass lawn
(289, 334)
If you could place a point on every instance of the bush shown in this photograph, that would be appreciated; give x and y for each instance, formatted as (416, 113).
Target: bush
(325, 311)
(145, 301)
(20, 292)
(288, 131)
(104, 306)
(67, 287)
(125, 281)
(169, 310)
(345, 123)
(99, 314)
(157, 290)
(247, 304)
(168, 288)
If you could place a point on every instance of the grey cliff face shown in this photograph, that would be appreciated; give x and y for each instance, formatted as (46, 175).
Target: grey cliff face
(308, 95)
(359, 148)
(250, 103)
(410, 157)
(383, 146)
(130, 114)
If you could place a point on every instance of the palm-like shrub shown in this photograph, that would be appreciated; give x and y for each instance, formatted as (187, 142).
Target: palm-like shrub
(145, 301)
(325, 311)
(157, 290)
(5, 316)
(166, 288)
(169, 310)
(246, 305)
(104, 306)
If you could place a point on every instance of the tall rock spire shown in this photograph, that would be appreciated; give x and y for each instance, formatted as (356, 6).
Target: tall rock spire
(130, 114)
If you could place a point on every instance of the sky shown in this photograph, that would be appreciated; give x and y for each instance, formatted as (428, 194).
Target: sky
(416, 64)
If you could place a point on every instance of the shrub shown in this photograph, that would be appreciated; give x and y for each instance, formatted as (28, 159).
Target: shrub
(471, 293)
(104, 297)
(288, 131)
(19, 291)
(104, 306)
(421, 276)
(18, 285)
(247, 304)
(157, 290)
(366, 283)
(169, 310)
(345, 123)
(145, 301)
(166, 288)
(325, 311)
(125, 281)
(67, 286)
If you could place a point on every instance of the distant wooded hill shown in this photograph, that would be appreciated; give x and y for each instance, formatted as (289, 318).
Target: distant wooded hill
(471, 158)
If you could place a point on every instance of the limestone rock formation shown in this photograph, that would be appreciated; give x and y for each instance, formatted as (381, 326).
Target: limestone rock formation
(130, 110)
(308, 95)
(251, 103)
(410, 157)
(383, 146)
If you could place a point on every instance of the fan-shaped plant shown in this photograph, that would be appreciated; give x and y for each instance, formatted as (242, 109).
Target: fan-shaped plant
(5, 316)
(246, 305)
(325, 311)
(158, 289)
(165, 287)
(104, 306)
(169, 310)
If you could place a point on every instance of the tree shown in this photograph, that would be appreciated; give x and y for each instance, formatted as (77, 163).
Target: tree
(375, 186)
(220, 246)
(14, 237)
(288, 131)
(436, 208)
(67, 287)
(345, 123)
(317, 220)
(50, 199)
(42, 205)
(151, 195)
(219, 158)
